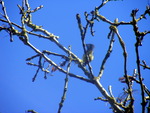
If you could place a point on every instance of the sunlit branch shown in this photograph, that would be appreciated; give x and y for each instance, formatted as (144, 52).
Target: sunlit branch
(111, 100)
(102, 17)
(107, 55)
(102, 4)
(143, 16)
(125, 68)
(102, 99)
(110, 91)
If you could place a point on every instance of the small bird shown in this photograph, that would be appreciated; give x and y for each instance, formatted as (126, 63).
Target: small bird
(89, 52)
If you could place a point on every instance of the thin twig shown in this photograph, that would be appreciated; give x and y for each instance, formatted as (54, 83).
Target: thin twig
(7, 18)
(37, 71)
(65, 85)
(102, 4)
(144, 65)
(56, 54)
(110, 91)
(107, 55)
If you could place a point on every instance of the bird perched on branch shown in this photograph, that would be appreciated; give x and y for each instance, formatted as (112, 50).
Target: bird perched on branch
(89, 52)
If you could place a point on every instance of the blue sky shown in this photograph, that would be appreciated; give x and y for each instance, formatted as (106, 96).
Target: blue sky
(19, 93)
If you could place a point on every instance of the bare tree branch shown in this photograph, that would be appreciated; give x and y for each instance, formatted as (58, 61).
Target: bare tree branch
(65, 85)
(44, 56)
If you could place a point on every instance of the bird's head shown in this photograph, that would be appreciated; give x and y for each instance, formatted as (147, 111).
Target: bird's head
(90, 47)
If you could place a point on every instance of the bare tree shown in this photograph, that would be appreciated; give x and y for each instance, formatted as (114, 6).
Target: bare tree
(121, 104)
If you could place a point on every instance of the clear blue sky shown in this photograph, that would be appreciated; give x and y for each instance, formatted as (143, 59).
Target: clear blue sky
(19, 93)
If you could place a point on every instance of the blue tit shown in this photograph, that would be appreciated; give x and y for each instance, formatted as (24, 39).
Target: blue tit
(89, 52)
